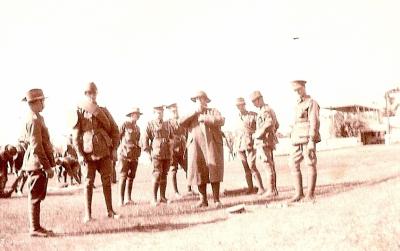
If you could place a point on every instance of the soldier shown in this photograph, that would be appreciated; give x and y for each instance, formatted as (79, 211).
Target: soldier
(245, 146)
(129, 153)
(95, 137)
(38, 160)
(265, 139)
(179, 156)
(7, 153)
(157, 143)
(205, 148)
(305, 135)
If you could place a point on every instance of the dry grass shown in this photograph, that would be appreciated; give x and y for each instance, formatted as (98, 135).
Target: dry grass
(357, 208)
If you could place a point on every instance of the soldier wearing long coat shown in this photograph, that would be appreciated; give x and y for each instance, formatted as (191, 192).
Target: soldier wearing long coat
(205, 148)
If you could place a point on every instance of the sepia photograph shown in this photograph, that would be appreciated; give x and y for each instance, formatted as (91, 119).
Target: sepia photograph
(200, 125)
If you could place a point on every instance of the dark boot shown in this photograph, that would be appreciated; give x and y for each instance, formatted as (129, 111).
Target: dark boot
(163, 188)
(203, 196)
(215, 189)
(312, 180)
(175, 185)
(259, 183)
(34, 221)
(155, 193)
(108, 199)
(249, 181)
(122, 184)
(129, 188)
(298, 187)
(271, 182)
(88, 203)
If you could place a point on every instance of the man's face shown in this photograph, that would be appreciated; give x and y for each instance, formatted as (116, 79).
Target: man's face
(37, 105)
(91, 95)
(174, 112)
(201, 101)
(158, 114)
(256, 102)
(241, 107)
(135, 117)
(300, 91)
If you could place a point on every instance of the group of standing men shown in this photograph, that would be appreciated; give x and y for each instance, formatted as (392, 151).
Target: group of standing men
(196, 137)
(256, 140)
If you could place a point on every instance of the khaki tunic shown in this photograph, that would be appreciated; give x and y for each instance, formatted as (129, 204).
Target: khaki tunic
(39, 153)
(129, 148)
(306, 122)
(96, 134)
(246, 127)
(267, 125)
(157, 138)
(204, 147)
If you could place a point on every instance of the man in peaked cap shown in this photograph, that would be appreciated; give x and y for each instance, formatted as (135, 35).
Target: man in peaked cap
(38, 160)
(179, 156)
(96, 138)
(265, 139)
(129, 153)
(244, 145)
(304, 137)
(157, 143)
(205, 148)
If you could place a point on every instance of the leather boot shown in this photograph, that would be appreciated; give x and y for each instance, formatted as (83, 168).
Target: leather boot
(122, 184)
(34, 220)
(108, 199)
(312, 180)
(249, 181)
(175, 184)
(298, 187)
(88, 203)
(271, 182)
(130, 185)
(203, 196)
(155, 193)
(259, 183)
(215, 189)
(163, 188)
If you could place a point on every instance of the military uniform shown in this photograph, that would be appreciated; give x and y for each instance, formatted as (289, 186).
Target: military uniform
(265, 141)
(244, 146)
(96, 138)
(179, 155)
(38, 160)
(156, 142)
(304, 136)
(129, 153)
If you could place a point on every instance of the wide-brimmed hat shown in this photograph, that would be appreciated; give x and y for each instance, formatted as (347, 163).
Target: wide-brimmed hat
(159, 107)
(298, 83)
(200, 94)
(134, 110)
(240, 101)
(255, 95)
(33, 95)
(173, 105)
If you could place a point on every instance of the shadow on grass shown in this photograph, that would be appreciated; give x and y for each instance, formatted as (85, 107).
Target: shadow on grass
(333, 189)
(159, 227)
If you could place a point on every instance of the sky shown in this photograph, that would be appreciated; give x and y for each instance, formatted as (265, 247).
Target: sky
(147, 53)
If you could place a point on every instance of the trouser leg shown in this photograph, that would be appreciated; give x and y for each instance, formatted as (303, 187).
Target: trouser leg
(247, 171)
(203, 195)
(215, 189)
(122, 185)
(295, 158)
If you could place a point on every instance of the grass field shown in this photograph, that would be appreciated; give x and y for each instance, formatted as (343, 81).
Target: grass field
(357, 208)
